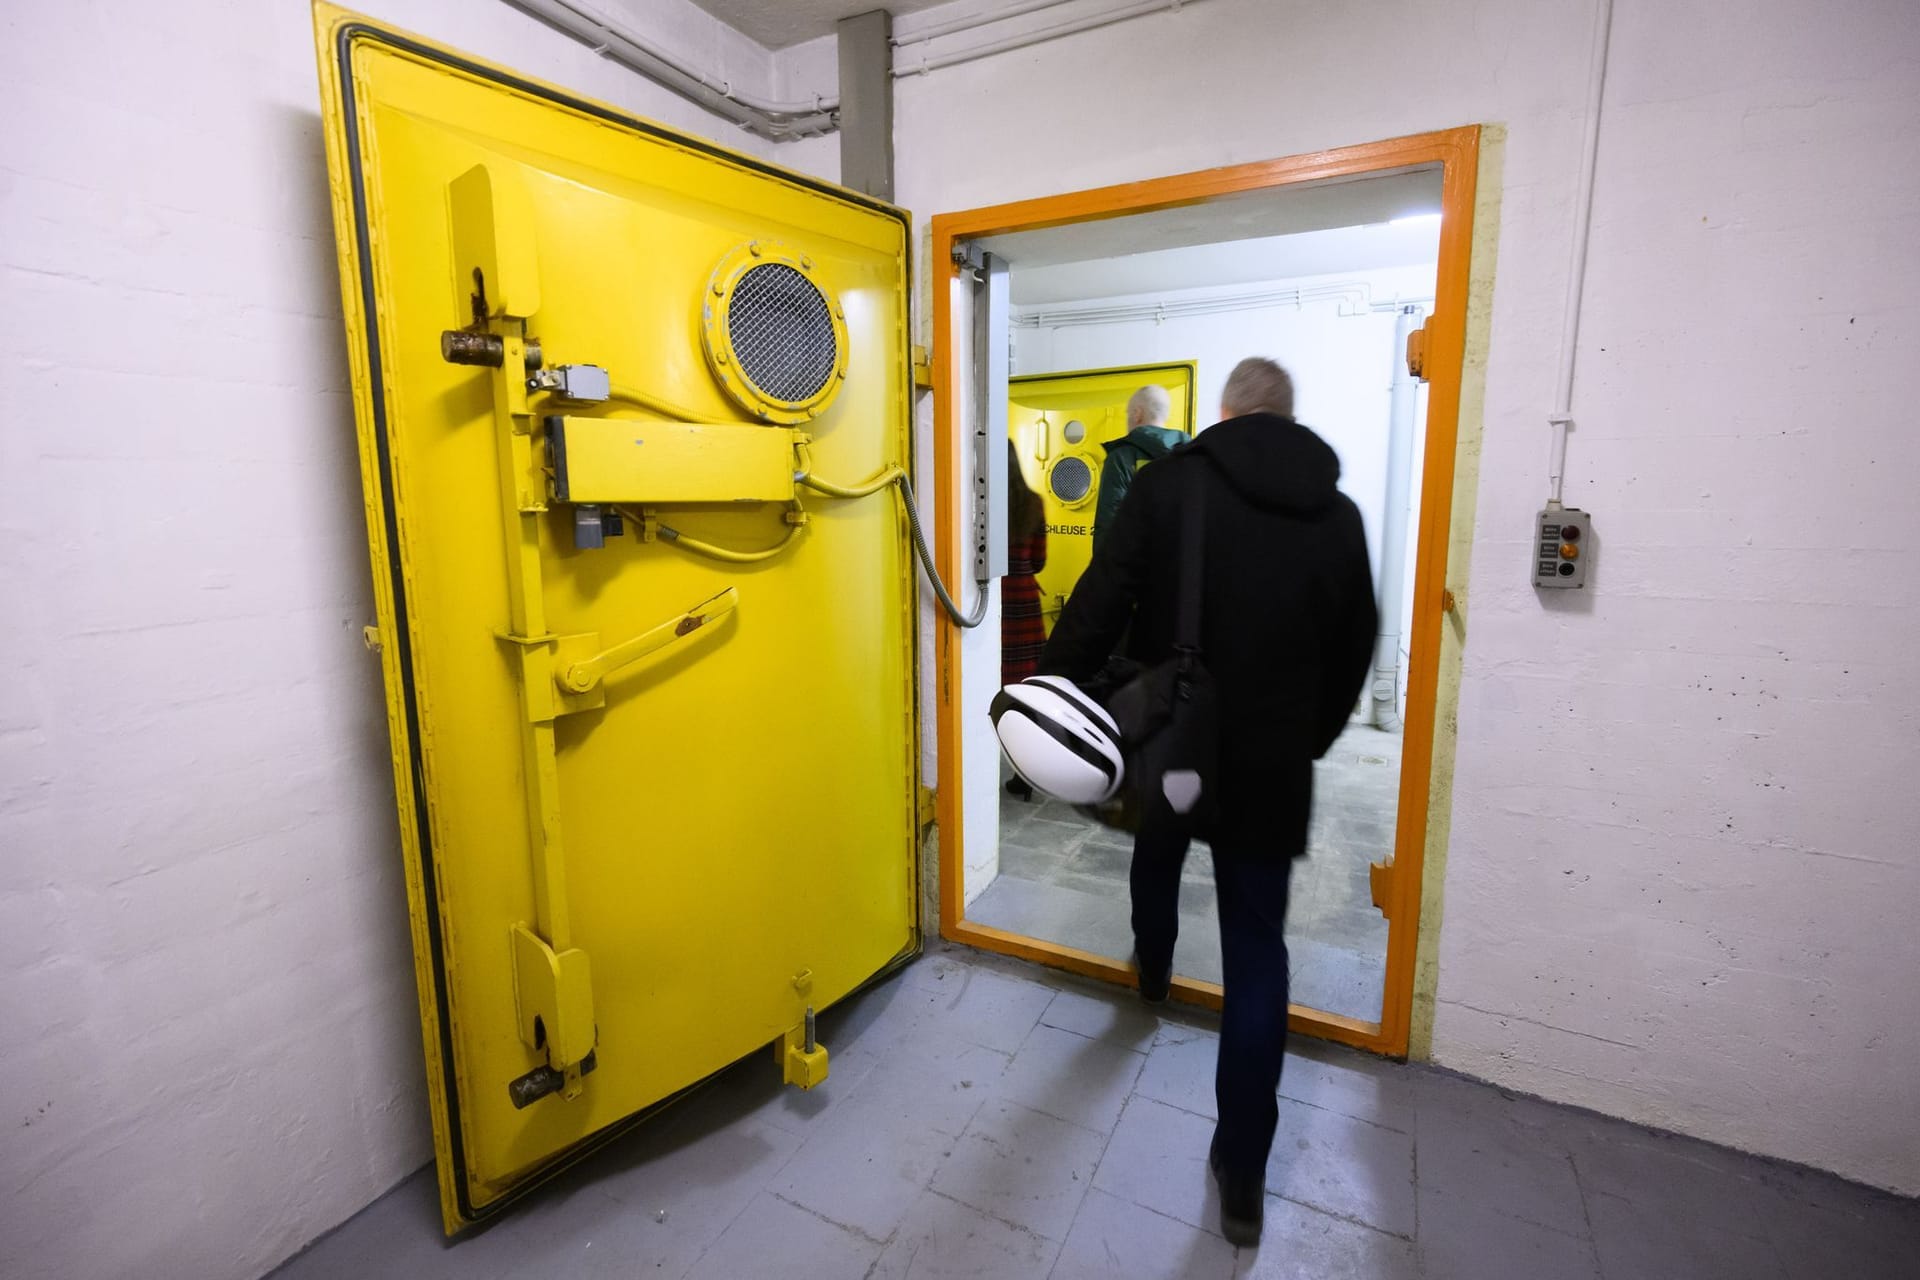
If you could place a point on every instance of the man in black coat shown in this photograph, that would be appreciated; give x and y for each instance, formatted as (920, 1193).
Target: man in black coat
(1287, 632)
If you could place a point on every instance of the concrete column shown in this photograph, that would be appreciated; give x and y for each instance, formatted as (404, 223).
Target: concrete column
(866, 103)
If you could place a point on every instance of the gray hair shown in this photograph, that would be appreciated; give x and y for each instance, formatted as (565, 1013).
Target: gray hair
(1257, 385)
(1149, 407)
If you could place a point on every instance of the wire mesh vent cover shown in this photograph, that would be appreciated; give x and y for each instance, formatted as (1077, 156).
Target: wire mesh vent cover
(1070, 479)
(781, 328)
(776, 337)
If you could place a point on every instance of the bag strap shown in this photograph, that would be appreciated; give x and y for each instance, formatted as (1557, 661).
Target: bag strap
(1193, 547)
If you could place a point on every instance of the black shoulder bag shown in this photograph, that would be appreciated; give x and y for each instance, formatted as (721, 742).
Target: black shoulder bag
(1169, 713)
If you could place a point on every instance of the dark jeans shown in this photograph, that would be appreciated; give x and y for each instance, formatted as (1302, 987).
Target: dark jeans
(1253, 953)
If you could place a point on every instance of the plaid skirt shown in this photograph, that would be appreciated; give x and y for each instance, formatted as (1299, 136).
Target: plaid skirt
(1023, 634)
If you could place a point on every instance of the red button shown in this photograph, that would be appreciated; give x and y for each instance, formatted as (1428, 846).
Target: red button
(1570, 533)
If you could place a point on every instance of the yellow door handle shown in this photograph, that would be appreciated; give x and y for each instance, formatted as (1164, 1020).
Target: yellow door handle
(582, 676)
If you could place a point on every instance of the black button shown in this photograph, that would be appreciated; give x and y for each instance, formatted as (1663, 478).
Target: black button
(1566, 569)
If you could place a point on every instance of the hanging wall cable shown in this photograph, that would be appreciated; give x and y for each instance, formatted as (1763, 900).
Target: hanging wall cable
(896, 476)
(1561, 419)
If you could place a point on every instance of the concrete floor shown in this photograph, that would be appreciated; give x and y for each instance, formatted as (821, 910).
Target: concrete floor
(1064, 879)
(988, 1119)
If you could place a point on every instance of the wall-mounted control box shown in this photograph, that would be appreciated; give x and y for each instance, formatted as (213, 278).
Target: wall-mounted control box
(1562, 548)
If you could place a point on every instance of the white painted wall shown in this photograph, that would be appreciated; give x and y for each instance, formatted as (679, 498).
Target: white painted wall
(213, 1050)
(1683, 861)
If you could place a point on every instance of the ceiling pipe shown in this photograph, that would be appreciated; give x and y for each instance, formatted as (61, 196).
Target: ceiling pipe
(786, 121)
(763, 117)
(954, 26)
(1354, 299)
(1040, 35)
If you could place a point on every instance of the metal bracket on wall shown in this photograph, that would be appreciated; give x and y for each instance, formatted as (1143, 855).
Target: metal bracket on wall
(990, 369)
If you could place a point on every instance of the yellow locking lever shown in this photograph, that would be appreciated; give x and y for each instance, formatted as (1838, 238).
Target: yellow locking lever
(582, 676)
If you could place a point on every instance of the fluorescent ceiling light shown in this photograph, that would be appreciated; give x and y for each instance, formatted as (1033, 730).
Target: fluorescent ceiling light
(1414, 220)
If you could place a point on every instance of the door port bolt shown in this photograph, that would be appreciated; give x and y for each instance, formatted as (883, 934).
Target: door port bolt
(488, 350)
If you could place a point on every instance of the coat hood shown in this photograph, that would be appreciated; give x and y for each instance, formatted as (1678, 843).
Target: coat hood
(1155, 442)
(1272, 462)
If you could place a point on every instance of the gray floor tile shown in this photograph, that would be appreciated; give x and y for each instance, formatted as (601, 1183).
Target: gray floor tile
(1351, 1083)
(1337, 979)
(1045, 909)
(1299, 1243)
(1824, 1228)
(1179, 1070)
(772, 1237)
(980, 1006)
(1462, 1240)
(1023, 1167)
(866, 1163)
(1683, 1180)
(1114, 1237)
(397, 1235)
(865, 1175)
(583, 1233)
(924, 1108)
(943, 1239)
(1641, 1240)
(1157, 1158)
(683, 1184)
(1122, 1022)
(1344, 1167)
(1071, 1077)
(1508, 1168)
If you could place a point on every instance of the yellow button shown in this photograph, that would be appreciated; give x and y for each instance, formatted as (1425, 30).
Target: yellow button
(1568, 551)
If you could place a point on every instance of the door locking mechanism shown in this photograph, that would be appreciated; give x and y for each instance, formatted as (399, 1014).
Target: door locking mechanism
(583, 674)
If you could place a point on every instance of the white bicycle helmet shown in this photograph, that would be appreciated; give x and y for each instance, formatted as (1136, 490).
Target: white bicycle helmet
(1059, 740)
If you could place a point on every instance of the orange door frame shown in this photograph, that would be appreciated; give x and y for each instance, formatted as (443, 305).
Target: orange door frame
(1456, 152)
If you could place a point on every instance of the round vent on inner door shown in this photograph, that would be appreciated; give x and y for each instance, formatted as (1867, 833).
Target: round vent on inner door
(1071, 479)
(775, 338)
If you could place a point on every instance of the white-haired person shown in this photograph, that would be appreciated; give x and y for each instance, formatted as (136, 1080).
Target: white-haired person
(1148, 438)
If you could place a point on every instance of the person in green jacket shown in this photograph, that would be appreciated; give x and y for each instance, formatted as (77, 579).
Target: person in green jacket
(1148, 437)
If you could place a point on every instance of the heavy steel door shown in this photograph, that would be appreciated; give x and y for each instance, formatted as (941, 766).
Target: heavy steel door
(651, 701)
(1060, 425)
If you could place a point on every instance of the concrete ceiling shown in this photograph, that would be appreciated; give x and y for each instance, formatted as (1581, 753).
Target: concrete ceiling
(779, 23)
(1332, 252)
(1254, 215)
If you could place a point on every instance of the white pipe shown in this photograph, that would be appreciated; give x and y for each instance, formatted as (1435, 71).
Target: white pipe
(907, 33)
(785, 121)
(1562, 416)
(1355, 298)
(779, 121)
(1040, 35)
(1391, 590)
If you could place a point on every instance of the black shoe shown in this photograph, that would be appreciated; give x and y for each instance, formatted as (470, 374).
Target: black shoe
(1154, 987)
(1242, 1201)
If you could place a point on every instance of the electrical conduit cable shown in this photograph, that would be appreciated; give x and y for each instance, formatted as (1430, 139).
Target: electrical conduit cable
(626, 393)
(1561, 419)
(896, 475)
(965, 621)
(713, 550)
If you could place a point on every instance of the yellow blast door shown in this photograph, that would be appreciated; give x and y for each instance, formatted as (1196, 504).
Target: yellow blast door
(651, 701)
(1060, 424)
